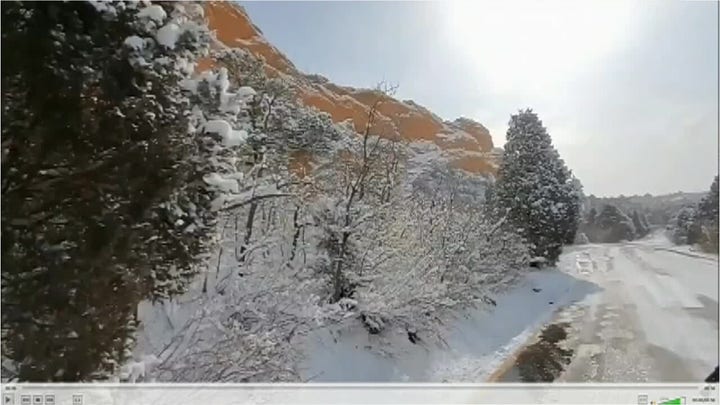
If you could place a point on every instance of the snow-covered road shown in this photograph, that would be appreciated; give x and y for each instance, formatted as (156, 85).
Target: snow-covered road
(653, 319)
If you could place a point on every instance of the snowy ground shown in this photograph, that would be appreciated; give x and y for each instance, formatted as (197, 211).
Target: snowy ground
(477, 340)
(655, 318)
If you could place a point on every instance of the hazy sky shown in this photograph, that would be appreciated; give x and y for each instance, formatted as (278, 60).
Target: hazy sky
(628, 90)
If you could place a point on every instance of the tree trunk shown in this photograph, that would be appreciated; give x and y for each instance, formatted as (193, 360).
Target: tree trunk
(296, 236)
(248, 232)
(237, 235)
(337, 276)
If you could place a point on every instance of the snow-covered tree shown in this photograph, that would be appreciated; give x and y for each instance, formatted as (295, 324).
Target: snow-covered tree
(574, 210)
(99, 208)
(581, 239)
(612, 225)
(644, 222)
(535, 187)
(360, 177)
(707, 215)
(698, 224)
(684, 226)
(591, 216)
(657, 210)
(708, 206)
(425, 255)
(640, 227)
(257, 293)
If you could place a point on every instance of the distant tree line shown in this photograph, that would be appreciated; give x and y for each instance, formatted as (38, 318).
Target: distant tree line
(658, 210)
(611, 225)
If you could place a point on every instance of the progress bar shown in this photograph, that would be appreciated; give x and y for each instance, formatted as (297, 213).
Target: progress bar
(180, 394)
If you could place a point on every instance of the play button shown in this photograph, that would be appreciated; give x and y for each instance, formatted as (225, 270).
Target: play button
(9, 399)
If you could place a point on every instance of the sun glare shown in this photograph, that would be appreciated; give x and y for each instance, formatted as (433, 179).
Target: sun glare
(532, 45)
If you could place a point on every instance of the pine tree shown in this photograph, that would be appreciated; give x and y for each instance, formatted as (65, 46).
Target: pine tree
(101, 203)
(573, 202)
(640, 228)
(591, 216)
(612, 225)
(644, 222)
(684, 226)
(707, 217)
(708, 206)
(535, 187)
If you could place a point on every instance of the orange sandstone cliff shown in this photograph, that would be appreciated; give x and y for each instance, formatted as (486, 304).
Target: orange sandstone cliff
(467, 144)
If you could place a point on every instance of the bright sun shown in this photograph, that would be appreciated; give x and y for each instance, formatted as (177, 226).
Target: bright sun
(535, 45)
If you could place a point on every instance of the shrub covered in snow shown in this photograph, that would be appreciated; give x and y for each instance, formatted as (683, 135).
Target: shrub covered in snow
(424, 257)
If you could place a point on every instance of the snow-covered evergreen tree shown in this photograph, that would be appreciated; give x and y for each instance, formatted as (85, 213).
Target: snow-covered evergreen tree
(684, 226)
(644, 222)
(612, 225)
(591, 216)
(574, 209)
(707, 216)
(708, 206)
(581, 239)
(98, 205)
(535, 187)
(699, 224)
(640, 227)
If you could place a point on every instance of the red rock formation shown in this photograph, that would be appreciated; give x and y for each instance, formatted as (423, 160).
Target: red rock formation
(468, 142)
